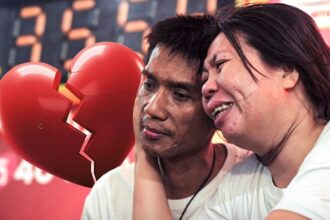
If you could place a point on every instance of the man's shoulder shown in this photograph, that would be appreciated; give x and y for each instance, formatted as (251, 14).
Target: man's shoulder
(234, 156)
(112, 195)
(237, 153)
(248, 166)
(123, 174)
(248, 171)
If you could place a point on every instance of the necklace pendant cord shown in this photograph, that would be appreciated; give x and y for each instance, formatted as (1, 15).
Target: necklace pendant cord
(202, 185)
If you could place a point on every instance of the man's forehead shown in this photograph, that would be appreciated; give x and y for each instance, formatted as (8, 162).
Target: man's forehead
(155, 53)
(171, 68)
(163, 51)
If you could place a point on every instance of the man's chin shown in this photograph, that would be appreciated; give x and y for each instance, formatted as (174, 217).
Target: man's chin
(151, 151)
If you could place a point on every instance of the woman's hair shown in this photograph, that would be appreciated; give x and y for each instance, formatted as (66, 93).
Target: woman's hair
(284, 36)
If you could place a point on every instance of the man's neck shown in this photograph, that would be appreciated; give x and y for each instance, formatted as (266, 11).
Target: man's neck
(183, 177)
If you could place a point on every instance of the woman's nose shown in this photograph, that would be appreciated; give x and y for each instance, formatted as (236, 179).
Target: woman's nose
(209, 88)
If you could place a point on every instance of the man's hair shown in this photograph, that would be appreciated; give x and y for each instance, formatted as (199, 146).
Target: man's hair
(188, 36)
(284, 36)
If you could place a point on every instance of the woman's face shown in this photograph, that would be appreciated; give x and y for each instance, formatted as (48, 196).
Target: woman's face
(241, 107)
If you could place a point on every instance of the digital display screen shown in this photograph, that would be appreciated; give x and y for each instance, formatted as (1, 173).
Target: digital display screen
(55, 31)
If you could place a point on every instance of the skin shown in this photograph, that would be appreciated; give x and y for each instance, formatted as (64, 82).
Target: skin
(170, 123)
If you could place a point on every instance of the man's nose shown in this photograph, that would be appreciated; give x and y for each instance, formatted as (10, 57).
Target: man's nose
(156, 106)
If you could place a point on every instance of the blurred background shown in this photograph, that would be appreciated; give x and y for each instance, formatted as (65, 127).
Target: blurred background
(53, 31)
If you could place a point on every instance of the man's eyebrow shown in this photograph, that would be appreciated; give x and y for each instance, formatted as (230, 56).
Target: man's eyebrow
(181, 85)
(147, 73)
(171, 84)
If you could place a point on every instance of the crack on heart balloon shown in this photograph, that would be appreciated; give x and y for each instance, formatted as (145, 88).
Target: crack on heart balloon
(67, 93)
(78, 131)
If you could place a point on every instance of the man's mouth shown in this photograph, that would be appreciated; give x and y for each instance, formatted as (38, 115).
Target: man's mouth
(153, 133)
(218, 111)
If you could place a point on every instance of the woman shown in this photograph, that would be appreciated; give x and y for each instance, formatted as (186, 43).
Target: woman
(267, 88)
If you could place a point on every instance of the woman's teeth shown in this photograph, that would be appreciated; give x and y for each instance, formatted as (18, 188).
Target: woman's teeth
(220, 109)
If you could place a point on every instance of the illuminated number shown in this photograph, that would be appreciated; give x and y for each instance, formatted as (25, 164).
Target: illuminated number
(26, 172)
(30, 40)
(251, 1)
(133, 25)
(211, 6)
(183, 5)
(79, 11)
(42, 177)
(3, 171)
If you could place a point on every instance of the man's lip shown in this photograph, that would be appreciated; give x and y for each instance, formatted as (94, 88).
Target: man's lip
(156, 130)
(154, 133)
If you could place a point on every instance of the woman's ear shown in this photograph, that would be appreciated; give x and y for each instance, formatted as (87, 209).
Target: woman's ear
(290, 78)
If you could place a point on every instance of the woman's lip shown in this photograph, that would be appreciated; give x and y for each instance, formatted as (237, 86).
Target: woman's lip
(220, 118)
(221, 109)
(212, 105)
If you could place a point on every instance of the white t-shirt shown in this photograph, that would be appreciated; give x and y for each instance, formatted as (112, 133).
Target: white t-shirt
(111, 197)
(308, 194)
(248, 192)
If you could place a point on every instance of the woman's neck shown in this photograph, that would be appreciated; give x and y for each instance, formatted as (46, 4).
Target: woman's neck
(300, 142)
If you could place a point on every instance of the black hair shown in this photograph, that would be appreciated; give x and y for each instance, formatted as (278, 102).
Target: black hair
(284, 37)
(186, 35)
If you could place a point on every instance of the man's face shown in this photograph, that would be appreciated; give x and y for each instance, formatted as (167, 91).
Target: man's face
(171, 117)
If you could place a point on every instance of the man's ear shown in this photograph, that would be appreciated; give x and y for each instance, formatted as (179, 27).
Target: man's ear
(290, 78)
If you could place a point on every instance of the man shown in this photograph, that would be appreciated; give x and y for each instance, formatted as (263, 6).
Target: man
(172, 126)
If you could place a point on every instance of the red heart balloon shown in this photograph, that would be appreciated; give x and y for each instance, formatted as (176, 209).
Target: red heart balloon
(89, 132)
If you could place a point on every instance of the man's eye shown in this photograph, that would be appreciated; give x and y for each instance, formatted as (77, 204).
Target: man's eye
(149, 85)
(181, 96)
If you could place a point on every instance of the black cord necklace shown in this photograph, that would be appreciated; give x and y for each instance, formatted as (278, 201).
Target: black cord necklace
(202, 185)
